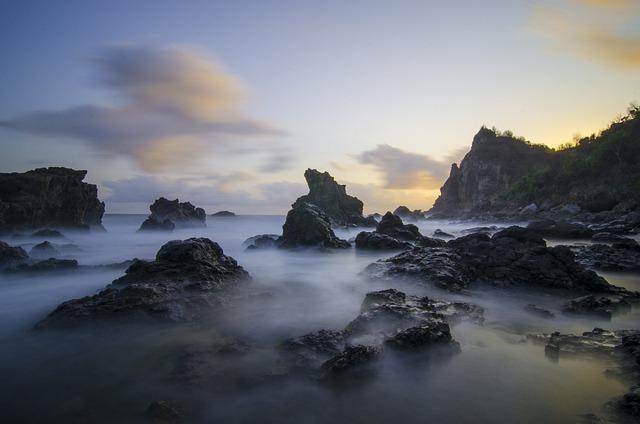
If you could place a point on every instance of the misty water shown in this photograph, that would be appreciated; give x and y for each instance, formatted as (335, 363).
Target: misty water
(81, 375)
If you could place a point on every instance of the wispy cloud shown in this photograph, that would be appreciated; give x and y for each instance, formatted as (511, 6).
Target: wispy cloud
(597, 30)
(174, 101)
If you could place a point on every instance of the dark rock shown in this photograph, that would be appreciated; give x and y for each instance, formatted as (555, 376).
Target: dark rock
(182, 215)
(599, 306)
(187, 280)
(629, 403)
(48, 265)
(234, 348)
(441, 234)
(312, 349)
(560, 229)
(44, 250)
(150, 224)
(485, 230)
(377, 241)
(162, 412)
(511, 257)
(47, 233)
(332, 199)
(406, 213)
(617, 257)
(308, 226)
(422, 337)
(539, 311)
(10, 255)
(262, 241)
(48, 197)
(393, 226)
(351, 359)
(223, 214)
(604, 237)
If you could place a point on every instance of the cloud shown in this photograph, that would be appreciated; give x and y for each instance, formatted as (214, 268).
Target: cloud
(601, 31)
(404, 170)
(277, 162)
(173, 103)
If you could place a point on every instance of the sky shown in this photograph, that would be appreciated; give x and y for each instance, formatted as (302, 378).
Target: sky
(225, 104)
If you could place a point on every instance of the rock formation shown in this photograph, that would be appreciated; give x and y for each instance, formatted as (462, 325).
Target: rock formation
(168, 214)
(406, 213)
(10, 255)
(223, 214)
(184, 282)
(333, 200)
(48, 197)
(391, 233)
(307, 225)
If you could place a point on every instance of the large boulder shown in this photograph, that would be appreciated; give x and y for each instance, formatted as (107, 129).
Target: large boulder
(11, 255)
(514, 257)
(333, 200)
(48, 197)
(406, 213)
(307, 225)
(186, 281)
(376, 241)
(165, 212)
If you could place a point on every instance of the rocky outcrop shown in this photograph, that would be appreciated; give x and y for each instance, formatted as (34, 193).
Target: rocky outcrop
(47, 265)
(307, 225)
(48, 197)
(261, 241)
(186, 281)
(223, 214)
(44, 250)
(392, 225)
(391, 233)
(598, 306)
(624, 256)
(408, 214)
(376, 241)
(11, 255)
(166, 212)
(514, 257)
(539, 311)
(560, 229)
(333, 200)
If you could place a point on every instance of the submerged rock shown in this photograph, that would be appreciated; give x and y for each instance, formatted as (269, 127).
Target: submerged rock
(262, 241)
(351, 359)
(223, 214)
(560, 229)
(47, 233)
(48, 197)
(423, 337)
(181, 215)
(514, 257)
(378, 241)
(441, 234)
(332, 199)
(539, 311)
(308, 226)
(48, 265)
(599, 306)
(186, 280)
(11, 255)
(44, 250)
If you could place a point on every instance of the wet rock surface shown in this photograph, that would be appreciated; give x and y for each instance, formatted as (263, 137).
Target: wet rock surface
(599, 306)
(332, 199)
(392, 234)
(187, 280)
(560, 229)
(510, 258)
(53, 196)
(620, 256)
(261, 241)
(377, 241)
(47, 265)
(307, 225)
(180, 214)
(11, 255)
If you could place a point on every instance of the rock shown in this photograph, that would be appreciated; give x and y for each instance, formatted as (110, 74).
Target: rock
(560, 229)
(44, 250)
(48, 265)
(513, 257)
(187, 280)
(393, 226)
(406, 213)
(352, 358)
(307, 225)
(570, 209)
(150, 224)
(332, 199)
(312, 349)
(262, 241)
(47, 233)
(599, 306)
(530, 209)
(223, 214)
(48, 197)
(484, 230)
(617, 257)
(10, 255)
(629, 403)
(377, 241)
(539, 311)
(182, 215)
(605, 237)
(162, 412)
(441, 234)
(423, 337)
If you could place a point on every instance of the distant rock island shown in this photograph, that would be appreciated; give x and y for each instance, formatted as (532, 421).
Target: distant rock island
(48, 197)
(503, 175)
(169, 214)
(223, 214)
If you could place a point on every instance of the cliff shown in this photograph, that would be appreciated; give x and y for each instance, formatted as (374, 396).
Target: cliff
(48, 197)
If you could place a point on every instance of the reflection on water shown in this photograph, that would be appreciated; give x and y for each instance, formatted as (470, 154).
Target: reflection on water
(77, 376)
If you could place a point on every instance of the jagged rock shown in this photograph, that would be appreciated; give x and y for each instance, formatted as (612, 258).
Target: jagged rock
(441, 234)
(423, 337)
(406, 213)
(44, 250)
(307, 225)
(539, 311)
(48, 197)
(47, 233)
(512, 257)
(393, 226)
(186, 280)
(617, 257)
(352, 358)
(312, 349)
(11, 255)
(182, 215)
(223, 214)
(48, 265)
(377, 241)
(262, 241)
(600, 306)
(150, 224)
(560, 229)
(162, 412)
(332, 199)
(605, 237)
